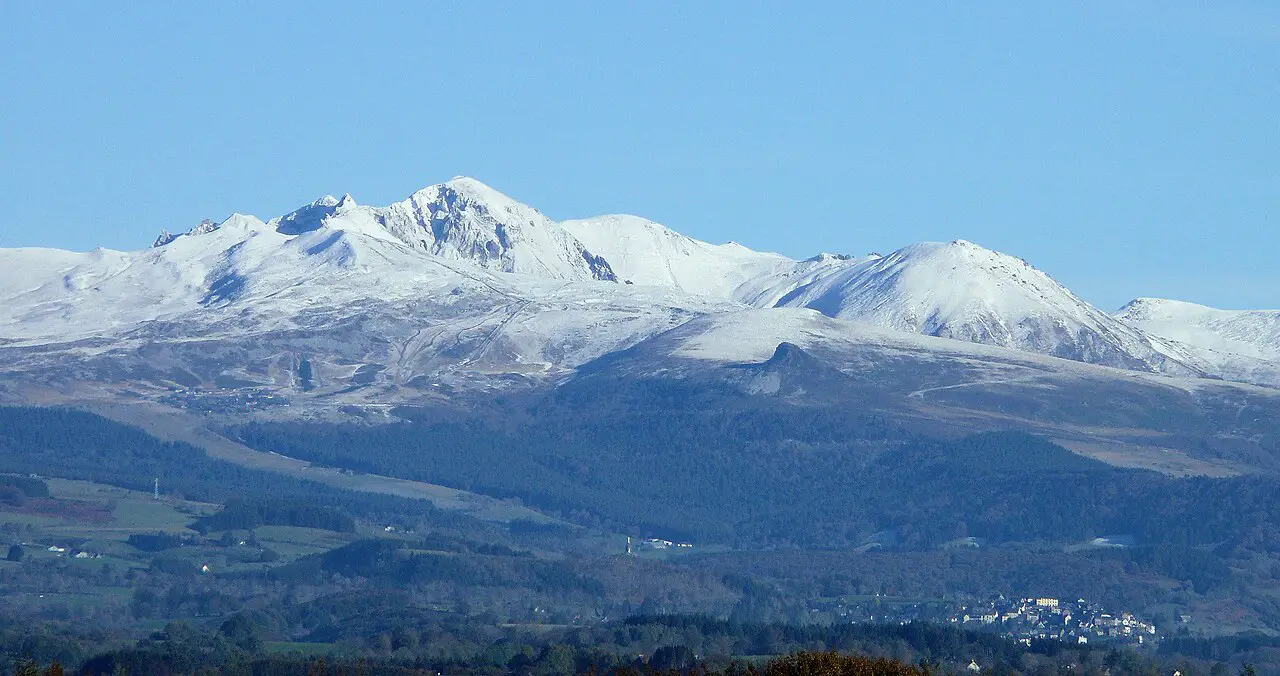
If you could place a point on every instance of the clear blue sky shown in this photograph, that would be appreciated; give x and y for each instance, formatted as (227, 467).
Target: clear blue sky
(1127, 148)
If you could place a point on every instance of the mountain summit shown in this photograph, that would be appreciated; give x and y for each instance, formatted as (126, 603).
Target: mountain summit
(1249, 333)
(963, 291)
(464, 219)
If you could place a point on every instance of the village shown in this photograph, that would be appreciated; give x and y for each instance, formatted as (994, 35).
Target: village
(235, 400)
(1023, 619)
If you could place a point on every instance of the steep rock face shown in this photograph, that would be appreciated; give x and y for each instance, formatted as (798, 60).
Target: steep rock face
(165, 237)
(962, 291)
(1248, 333)
(792, 371)
(647, 253)
(465, 220)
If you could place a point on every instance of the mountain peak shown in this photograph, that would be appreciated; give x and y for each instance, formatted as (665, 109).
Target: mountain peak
(1249, 333)
(467, 183)
(963, 291)
(475, 190)
(789, 353)
(1143, 307)
(207, 225)
(311, 216)
(164, 238)
(792, 370)
(467, 192)
(467, 220)
(826, 257)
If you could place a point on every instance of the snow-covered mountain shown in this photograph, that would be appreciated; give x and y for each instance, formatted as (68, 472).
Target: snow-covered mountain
(647, 253)
(1249, 333)
(460, 276)
(960, 290)
(331, 252)
(955, 290)
(467, 220)
(240, 264)
(461, 220)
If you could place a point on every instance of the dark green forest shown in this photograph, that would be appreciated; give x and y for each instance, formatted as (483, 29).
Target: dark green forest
(783, 510)
(77, 445)
(638, 645)
(668, 478)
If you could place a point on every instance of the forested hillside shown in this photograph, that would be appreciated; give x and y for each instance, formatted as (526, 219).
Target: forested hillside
(819, 512)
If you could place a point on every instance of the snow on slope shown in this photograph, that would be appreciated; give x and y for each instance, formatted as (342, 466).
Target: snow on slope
(458, 225)
(461, 219)
(1249, 333)
(768, 290)
(650, 254)
(91, 293)
(464, 219)
(957, 290)
(752, 336)
(337, 255)
(960, 290)
(242, 264)
(872, 355)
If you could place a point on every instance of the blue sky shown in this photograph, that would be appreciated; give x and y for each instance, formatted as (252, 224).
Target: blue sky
(1127, 148)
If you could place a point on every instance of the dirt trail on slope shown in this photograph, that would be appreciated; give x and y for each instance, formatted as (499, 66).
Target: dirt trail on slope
(172, 424)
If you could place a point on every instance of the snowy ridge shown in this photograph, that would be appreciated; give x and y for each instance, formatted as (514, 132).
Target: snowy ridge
(243, 263)
(955, 290)
(486, 273)
(647, 253)
(962, 291)
(769, 290)
(1248, 333)
(462, 220)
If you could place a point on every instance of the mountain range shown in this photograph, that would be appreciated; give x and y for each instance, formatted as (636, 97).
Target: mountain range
(460, 292)
(335, 253)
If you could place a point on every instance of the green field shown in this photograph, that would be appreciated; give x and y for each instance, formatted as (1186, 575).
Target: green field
(98, 519)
